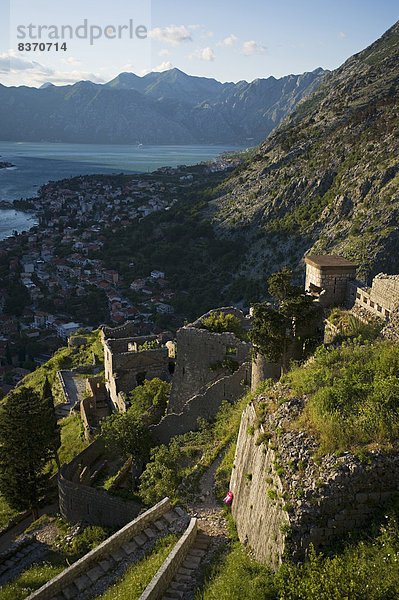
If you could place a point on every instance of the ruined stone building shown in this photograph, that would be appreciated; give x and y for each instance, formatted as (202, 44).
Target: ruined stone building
(210, 368)
(94, 406)
(207, 367)
(128, 361)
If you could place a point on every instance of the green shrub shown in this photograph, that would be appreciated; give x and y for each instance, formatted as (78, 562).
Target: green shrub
(262, 438)
(354, 395)
(89, 539)
(351, 327)
(220, 323)
(161, 477)
(190, 454)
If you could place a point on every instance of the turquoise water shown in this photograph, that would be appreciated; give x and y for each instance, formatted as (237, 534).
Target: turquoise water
(38, 163)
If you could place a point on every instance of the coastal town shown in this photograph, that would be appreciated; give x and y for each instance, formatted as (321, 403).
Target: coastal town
(57, 278)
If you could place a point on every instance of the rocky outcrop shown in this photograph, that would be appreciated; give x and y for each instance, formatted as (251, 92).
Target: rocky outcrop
(327, 180)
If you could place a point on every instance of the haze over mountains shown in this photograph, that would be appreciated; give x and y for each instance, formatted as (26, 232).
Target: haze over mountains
(159, 108)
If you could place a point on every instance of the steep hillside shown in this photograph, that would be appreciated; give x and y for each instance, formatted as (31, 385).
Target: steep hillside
(328, 178)
(159, 108)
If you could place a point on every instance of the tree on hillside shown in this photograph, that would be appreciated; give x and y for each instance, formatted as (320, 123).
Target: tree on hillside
(50, 423)
(280, 285)
(24, 450)
(277, 328)
(150, 399)
(161, 477)
(127, 435)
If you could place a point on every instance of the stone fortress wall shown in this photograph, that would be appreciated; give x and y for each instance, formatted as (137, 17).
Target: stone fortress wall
(259, 520)
(201, 382)
(328, 276)
(197, 350)
(79, 501)
(283, 500)
(121, 331)
(332, 280)
(380, 300)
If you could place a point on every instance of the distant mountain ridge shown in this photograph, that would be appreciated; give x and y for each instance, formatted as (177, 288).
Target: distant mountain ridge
(158, 108)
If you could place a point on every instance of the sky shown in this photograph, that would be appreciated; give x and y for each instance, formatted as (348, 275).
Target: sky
(227, 40)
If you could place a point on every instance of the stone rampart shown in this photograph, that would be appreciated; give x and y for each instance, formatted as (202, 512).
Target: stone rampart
(258, 516)
(204, 405)
(126, 330)
(284, 500)
(200, 356)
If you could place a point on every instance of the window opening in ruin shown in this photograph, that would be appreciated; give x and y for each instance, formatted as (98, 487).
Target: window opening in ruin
(140, 378)
(171, 367)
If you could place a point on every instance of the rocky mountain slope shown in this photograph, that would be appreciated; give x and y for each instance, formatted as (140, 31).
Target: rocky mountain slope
(159, 108)
(328, 178)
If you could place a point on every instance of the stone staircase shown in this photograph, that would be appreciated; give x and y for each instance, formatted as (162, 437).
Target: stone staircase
(20, 556)
(104, 573)
(100, 568)
(185, 581)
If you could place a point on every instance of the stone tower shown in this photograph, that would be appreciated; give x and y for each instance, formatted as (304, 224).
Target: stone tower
(328, 276)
